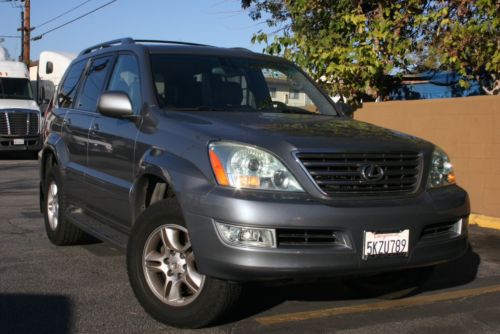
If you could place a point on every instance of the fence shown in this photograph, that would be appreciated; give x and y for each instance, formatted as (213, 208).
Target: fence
(467, 128)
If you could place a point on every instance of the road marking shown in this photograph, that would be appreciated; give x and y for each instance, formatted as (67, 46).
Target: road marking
(485, 221)
(380, 306)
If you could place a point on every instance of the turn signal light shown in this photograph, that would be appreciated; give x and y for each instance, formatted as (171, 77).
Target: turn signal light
(220, 173)
(248, 181)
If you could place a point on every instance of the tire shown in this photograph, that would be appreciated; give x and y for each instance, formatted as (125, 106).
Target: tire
(59, 231)
(391, 285)
(160, 259)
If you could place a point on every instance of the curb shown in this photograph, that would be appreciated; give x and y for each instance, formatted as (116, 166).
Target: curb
(484, 221)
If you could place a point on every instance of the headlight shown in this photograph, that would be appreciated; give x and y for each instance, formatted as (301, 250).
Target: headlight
(243, 166)
(441, 172)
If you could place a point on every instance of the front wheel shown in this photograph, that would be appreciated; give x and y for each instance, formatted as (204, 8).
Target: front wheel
(163, 273)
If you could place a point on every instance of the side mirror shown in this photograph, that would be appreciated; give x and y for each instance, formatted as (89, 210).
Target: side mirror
(49, 67)
(346, 109)
(115, 104)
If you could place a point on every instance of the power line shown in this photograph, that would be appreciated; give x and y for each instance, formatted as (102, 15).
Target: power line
(71, 21)
(62, 14)
(9, 36)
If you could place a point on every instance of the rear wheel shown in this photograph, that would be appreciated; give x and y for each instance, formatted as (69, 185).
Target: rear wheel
(59, 231)
(163, 273)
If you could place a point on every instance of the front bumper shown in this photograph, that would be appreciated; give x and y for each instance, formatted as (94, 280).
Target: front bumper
(10, 144)
(216, 259)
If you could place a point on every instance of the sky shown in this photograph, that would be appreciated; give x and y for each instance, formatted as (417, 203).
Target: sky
(215, 22)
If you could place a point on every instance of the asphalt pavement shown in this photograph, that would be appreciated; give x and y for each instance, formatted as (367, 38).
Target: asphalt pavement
(84, 289)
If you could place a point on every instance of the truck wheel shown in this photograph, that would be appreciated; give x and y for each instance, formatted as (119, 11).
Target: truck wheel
(59, 231)
(391, 285)
(162, 270)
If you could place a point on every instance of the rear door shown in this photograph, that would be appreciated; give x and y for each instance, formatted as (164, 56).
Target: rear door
(111, 148)
(75, 127)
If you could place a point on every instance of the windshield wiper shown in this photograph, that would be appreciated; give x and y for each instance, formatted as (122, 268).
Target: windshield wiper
(288, 110)
(212, 108)
(200, 108)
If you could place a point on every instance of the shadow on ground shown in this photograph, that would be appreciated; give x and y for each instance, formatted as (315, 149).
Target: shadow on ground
(29, 313)
(19, 155)
(259, 298)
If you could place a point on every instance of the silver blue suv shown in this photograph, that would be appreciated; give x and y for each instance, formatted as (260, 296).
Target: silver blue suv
(214, 167)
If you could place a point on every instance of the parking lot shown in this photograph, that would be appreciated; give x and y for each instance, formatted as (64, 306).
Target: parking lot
(84, 289)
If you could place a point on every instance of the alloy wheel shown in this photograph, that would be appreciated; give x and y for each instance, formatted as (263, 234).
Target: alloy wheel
(169, 266)
(53, 205)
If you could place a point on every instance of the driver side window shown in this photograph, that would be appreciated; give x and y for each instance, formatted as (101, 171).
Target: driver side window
(125, 78)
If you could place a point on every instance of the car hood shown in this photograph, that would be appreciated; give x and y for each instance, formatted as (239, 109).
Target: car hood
(18, 104)
(298, 130)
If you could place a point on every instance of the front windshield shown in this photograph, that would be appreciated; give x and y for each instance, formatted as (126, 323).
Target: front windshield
(205, 83)
(15, 88)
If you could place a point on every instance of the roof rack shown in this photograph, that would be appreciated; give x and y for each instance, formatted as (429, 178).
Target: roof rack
(238, 48)
(126, 40)
(129, 40)
(167, 42)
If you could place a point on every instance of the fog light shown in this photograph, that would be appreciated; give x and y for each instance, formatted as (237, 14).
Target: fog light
(246, 236)
(458, 227)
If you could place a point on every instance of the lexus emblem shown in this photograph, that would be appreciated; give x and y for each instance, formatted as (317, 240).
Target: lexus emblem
(372, 172)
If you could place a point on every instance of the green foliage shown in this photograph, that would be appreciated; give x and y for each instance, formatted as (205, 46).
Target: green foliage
(361, 47)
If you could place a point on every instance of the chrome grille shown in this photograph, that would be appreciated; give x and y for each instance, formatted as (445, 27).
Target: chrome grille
(19, 123)
(342, 173)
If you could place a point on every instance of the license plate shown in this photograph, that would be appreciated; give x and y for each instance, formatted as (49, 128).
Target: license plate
(379, 244)
(18, 141)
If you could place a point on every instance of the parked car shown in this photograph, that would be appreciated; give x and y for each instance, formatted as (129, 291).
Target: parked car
(178, 153)
(20, 118)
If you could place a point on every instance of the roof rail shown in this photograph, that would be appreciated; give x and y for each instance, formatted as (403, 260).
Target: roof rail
(238, 48)
(127, 40)
(167, 42)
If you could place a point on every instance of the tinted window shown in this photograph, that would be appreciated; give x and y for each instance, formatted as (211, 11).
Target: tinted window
(15, 88)
(94, 84)
(68, 87)
(201, 83)
(125, 78)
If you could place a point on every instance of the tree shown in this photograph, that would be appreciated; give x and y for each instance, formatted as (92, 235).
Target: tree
(359, 48)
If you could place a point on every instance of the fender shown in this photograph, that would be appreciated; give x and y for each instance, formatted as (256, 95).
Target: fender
(185, 179)
(54, 145)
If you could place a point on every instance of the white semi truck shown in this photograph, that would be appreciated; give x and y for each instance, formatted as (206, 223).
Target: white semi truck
(48, 74)
(20, 117)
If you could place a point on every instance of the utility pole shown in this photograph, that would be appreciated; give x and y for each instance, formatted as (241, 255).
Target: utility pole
(27, 33)
(21, 57)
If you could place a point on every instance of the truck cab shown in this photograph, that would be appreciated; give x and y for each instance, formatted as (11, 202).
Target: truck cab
(20, 118)
(50, 70)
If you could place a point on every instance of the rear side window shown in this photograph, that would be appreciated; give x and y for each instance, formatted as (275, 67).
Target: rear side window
(94, 84)
(68, 87)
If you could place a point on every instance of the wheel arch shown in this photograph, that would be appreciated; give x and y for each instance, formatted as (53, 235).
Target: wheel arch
(150, 187)
(162, 175)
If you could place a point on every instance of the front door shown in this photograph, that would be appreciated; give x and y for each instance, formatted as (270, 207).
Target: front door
(111, 148)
